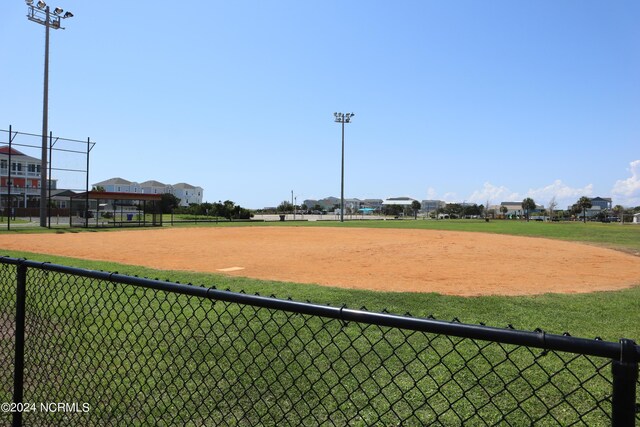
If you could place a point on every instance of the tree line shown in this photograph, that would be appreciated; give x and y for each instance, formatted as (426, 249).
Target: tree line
(227, 209)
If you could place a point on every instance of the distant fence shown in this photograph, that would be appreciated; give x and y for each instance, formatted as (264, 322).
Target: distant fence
(21, 175)
(84, 347)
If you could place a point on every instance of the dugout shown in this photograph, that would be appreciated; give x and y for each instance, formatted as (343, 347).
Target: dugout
(108, 209)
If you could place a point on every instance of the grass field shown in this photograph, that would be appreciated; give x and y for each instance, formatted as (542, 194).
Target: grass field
(149, 359)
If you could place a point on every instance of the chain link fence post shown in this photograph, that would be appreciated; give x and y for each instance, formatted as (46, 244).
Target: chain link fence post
(625, 376)
(18, 374)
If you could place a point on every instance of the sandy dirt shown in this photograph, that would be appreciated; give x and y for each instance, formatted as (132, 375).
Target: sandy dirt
(453, 263)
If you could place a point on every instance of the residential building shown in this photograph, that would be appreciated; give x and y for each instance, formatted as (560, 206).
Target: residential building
(187, 193)
(117, 185)
(598, 206)
(601, 203)
(402, 201)
(327, 204)
(154, 187)
(25, 177)
(515, 209)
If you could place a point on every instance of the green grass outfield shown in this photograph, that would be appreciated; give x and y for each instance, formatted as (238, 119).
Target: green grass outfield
(610, 315)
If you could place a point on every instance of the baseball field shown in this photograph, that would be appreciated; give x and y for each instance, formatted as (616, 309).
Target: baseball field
(143, 356)
(499, 272)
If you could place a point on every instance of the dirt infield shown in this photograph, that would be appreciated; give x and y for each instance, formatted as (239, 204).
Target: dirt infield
(454, 263)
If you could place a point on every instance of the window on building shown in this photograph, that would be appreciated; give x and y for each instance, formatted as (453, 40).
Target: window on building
(31, 168)
(4, 164)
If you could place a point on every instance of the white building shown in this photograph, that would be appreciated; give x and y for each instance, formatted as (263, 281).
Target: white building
(155, 187)
(187, 193)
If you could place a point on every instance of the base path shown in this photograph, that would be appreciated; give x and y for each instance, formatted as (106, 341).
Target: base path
(453, 263)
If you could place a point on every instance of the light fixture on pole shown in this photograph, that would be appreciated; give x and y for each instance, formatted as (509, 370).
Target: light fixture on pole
(342, 118)
(40, 14)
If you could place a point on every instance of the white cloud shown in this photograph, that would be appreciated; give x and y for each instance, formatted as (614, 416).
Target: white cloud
(431, 193)
(450, 197)
(628, 190)
(493, 194)
(562, 192)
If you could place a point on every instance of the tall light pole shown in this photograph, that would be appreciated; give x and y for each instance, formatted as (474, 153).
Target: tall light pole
(40, 14)
(342, 118)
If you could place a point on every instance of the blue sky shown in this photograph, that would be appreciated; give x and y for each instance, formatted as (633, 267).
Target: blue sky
(455, 100)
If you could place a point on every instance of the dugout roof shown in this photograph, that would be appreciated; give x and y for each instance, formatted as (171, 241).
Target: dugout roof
(106, 195)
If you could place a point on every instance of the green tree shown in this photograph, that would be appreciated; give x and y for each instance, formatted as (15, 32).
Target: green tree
(504, 210)
(415, 205)
(583, 204)
(168, 202)
(453, 209)
(527, 206)
(393, 210)
(285, 206)
(98, 189)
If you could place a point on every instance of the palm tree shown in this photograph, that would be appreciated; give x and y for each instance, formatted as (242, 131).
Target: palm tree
(415, 205)
(504, 210)
(528, 205)
(584, 203)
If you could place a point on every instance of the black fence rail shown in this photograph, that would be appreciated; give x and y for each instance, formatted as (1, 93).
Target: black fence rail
(84, 347)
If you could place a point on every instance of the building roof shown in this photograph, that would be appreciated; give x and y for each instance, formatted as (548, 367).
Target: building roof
(152, 183)
(104, 195)
(5, 150)
(184, 185)
(114, 181)
(404, 201)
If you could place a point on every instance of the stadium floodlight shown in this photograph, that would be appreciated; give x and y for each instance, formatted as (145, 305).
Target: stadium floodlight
(342, 118)
(40, 14)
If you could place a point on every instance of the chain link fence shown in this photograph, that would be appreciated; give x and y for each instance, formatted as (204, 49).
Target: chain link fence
(118, 350)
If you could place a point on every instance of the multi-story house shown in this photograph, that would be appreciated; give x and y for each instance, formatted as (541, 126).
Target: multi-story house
(187, 193)
(155, 187)
(601, 203)
(24, 184)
